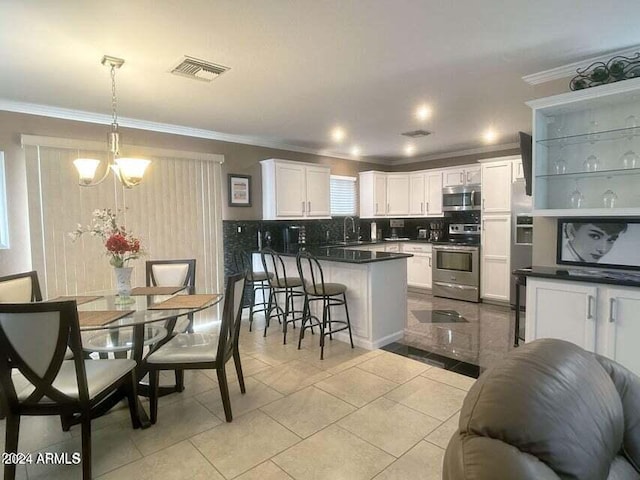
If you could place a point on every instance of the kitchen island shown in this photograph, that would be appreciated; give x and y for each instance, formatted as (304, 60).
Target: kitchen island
(376, 290)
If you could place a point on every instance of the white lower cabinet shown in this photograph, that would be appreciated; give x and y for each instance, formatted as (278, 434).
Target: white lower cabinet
(621, 325)
(597, 317)
(418, 266)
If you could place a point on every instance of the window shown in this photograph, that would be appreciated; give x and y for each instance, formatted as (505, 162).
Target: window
(344, 200)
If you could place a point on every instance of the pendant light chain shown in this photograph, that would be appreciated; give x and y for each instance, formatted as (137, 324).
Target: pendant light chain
(114, 100)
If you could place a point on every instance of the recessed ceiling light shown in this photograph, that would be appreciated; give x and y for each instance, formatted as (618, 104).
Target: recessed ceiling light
(423, 112)
(338, 134)
(490, 135)
(409, 149)
(356, 151)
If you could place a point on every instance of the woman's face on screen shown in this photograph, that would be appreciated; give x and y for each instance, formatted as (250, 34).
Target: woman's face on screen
(590, 242)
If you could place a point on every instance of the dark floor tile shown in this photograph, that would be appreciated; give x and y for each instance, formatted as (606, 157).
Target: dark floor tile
(467, 369)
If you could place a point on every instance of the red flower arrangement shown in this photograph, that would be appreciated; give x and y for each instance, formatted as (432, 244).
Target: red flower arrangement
(121, 245)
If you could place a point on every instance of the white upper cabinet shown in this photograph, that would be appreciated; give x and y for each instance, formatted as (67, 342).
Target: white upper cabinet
(417, 195)
(425, 193)
(398, 194)
(586, 152)
(466, 175)
(373, 194)
(318, 180)
(294, 190)
(496, 186)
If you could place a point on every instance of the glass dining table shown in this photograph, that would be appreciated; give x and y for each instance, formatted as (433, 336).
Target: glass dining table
(126, 329)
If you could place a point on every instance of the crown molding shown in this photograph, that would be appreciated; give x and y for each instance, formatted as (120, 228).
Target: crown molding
(102, 119)
(459, 153)
(570, 69)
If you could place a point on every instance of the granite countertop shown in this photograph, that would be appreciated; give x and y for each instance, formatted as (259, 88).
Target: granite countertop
(628, 279)
(340, 254)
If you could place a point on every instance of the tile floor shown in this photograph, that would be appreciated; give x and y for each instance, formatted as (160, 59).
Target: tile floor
(356, 415)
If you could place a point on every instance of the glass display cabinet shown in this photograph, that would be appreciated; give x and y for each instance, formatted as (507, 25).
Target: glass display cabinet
(586, 152)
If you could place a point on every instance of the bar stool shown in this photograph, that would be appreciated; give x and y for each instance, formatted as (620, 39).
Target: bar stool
(280, 283)
(330, 294)
(254, 282)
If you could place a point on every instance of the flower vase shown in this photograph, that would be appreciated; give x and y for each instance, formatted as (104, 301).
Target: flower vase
(123, 285)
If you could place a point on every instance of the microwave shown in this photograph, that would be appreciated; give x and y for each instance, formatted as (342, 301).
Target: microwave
(461, 198)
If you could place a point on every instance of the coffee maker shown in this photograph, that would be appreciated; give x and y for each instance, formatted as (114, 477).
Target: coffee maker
(291, 236)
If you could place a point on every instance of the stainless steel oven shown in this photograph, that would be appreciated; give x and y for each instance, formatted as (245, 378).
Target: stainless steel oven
(461, 198)
(456, 272)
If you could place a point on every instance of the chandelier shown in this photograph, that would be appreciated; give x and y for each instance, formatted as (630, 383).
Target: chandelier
(128, 170)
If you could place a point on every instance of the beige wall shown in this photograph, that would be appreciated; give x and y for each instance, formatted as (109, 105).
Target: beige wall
(240, 159)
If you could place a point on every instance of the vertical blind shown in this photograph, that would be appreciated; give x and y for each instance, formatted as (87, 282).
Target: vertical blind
(175, 211)
(343, 196)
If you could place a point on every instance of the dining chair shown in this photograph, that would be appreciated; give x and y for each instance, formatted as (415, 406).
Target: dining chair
(204, 351)
(20, 288)
(173, 273)
(33, 339)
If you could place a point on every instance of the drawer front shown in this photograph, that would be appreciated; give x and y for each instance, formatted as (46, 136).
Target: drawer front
(416, 247)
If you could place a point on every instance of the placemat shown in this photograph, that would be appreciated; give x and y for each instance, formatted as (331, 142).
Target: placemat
(79, 299)
(94, 318)
(156, 290)
(184, 301)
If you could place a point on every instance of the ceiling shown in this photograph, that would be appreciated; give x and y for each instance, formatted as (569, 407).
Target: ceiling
(299, 68)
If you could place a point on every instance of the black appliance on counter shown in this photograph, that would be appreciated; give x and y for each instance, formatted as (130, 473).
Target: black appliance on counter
(291, 236)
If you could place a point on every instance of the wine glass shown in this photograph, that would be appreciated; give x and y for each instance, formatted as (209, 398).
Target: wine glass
(630, 159)
(591, 164)
(576, 199)
(560, 166)
(609, 199)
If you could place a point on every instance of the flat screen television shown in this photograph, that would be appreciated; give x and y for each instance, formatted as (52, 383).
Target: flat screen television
(526, 152)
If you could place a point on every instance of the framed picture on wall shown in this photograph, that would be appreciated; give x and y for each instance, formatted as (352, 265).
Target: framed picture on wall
(599, 242)
(239, 190)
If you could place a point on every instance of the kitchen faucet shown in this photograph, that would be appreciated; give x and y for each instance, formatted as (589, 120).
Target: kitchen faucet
(344, 226)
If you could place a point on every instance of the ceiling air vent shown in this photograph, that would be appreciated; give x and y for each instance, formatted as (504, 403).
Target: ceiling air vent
(416, 133)
(198, 69)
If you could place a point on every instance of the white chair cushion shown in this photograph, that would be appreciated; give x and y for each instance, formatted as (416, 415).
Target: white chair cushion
(100, 375)
(170, 275)
(16, 291)
(187, 348)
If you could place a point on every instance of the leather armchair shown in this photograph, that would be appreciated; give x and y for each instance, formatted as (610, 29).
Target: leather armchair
(550, 410)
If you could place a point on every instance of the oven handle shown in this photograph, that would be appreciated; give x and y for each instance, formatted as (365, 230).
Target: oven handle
(450, 248)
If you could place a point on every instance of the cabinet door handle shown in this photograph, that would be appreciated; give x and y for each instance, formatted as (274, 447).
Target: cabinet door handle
(303, 206)
(429, 261)
(468, 177)
(461, 178)
(421, 207)
(387, 208)
(427, 207)
(612, 303)
(589, 311)
(309, 207)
